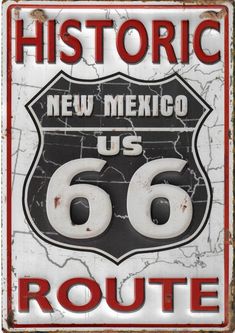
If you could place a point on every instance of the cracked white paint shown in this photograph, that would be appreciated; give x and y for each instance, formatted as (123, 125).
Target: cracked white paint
(203, 257)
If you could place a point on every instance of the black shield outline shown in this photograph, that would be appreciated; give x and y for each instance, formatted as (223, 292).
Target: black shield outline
(196, 131)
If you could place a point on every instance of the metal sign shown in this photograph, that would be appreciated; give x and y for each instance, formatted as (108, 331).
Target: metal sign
(117, 150)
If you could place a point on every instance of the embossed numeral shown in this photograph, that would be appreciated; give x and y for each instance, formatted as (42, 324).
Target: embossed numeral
(140, 196)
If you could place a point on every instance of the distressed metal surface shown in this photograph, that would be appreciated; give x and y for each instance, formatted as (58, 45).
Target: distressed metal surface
(202, 257)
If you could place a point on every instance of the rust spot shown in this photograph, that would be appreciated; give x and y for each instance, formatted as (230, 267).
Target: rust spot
(39, 15)
(57, 201)
(212, 15)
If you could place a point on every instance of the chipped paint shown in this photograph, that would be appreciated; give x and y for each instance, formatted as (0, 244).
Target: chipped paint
(57, 201)
(213, 15)
(39, 15)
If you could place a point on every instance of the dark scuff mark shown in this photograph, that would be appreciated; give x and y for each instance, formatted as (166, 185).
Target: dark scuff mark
(10, 319)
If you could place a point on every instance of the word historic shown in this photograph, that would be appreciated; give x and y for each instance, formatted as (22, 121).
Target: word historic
(155, 40)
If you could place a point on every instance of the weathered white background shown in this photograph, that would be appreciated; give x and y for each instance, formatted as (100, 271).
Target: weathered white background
(201, 258)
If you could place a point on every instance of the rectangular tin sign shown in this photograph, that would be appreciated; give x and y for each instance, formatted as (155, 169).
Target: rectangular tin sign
(117, 160)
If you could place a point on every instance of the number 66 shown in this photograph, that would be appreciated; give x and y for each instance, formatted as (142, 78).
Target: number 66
(139, 199)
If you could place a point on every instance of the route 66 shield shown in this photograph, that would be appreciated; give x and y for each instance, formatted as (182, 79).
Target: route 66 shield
(113, 136)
